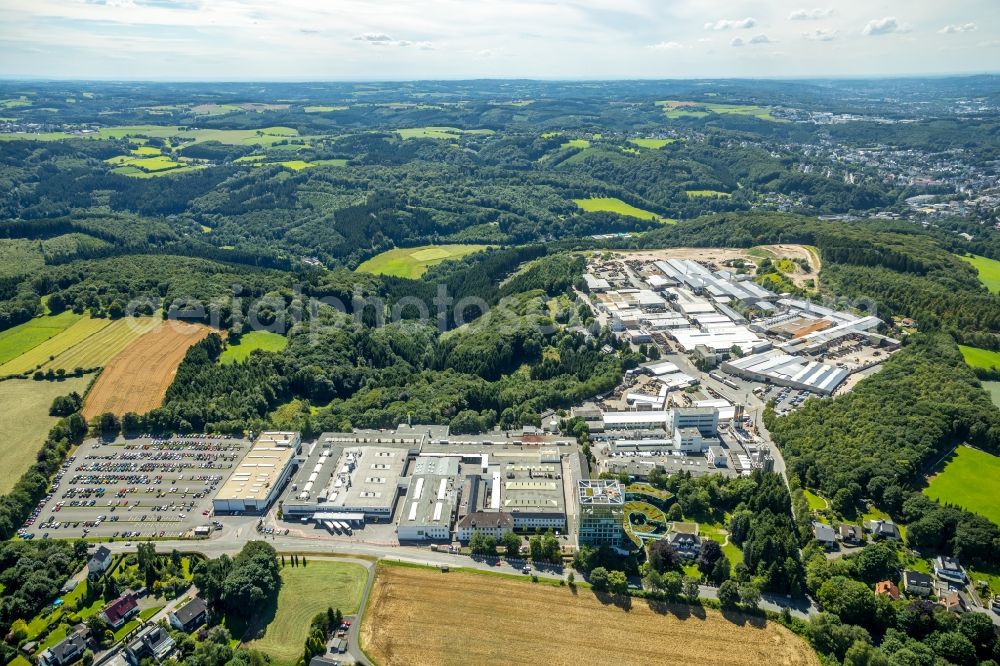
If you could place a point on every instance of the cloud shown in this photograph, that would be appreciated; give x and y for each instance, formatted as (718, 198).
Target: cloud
(737, 42)
(382, 39)
(665, 46)
(810, 14)
(884, 26)
(761, 39)
(374, 38)
(821, 35)
(953, 29)
(732, 24)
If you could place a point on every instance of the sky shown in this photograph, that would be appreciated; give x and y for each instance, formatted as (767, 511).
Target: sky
(333, 40)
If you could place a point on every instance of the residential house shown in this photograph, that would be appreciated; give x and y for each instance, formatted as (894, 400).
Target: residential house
(883, 529)
(825, 535)
(850, 534)
(68, 650)
(949, 569)
(190, 616)
(954, 602)
(152, 642)
(323, 660)
(917, 583)
(99, 562)
(119, 611)
(688, 545)
(887, 588)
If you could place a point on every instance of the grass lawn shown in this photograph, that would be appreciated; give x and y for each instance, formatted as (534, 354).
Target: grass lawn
(816, 503)
(613, 205)
(265, 340)
(989, 271)
(971, 480)
(25, 421)
(306, 591)
(412, 262)
(19, 339)
(980, 358)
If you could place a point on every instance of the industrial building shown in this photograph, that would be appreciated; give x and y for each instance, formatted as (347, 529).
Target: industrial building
(783, 369)
(260, 476)
(431, 483)
(601, 512)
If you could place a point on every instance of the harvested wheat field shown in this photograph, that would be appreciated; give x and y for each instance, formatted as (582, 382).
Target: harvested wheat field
(423, 616)
(137, 379)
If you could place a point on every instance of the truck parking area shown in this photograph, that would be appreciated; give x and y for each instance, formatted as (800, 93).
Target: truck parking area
(139, 487)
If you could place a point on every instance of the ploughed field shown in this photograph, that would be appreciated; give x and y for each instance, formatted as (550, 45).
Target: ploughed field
(137, 379)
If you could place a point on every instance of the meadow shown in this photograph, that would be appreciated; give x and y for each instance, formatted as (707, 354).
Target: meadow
(42, 353)
(98, 349)
(25, 421)
(437, 132)
(412, 262)
(248, 137)
(675, 109)
(306, 591)
(988, 269)
(576, 143)
(697, 194)
(264, 340)
(980, 358)
(20, 339)
(970, 479)
(654, 144)
(613, 205)
(422, 616)
(319, 108)
(20, 257)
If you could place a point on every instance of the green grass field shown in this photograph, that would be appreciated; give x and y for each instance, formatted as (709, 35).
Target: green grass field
(612, 205)
(38, 355)
(994, 390)
(20, 339)
(25, 421)
(980, 358)
(697, 194)
(412, 262)
(816, 503)
(323, 109)
(102, 346)
(447, 133)
(576, 143)
(971, 480)
(306, 591)
(988, 269)
(674, 109)
(654, 144)
(271, 342)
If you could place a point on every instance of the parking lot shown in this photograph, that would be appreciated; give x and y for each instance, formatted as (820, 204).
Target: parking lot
(140, 487)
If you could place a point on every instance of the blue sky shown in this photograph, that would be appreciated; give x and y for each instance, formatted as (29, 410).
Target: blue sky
(407, 39)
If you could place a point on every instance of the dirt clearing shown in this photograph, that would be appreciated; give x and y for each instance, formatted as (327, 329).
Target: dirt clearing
(423, 616)
(137, 379)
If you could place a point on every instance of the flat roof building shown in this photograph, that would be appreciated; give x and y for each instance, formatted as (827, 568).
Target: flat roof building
(601, 512)
(260, 476)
